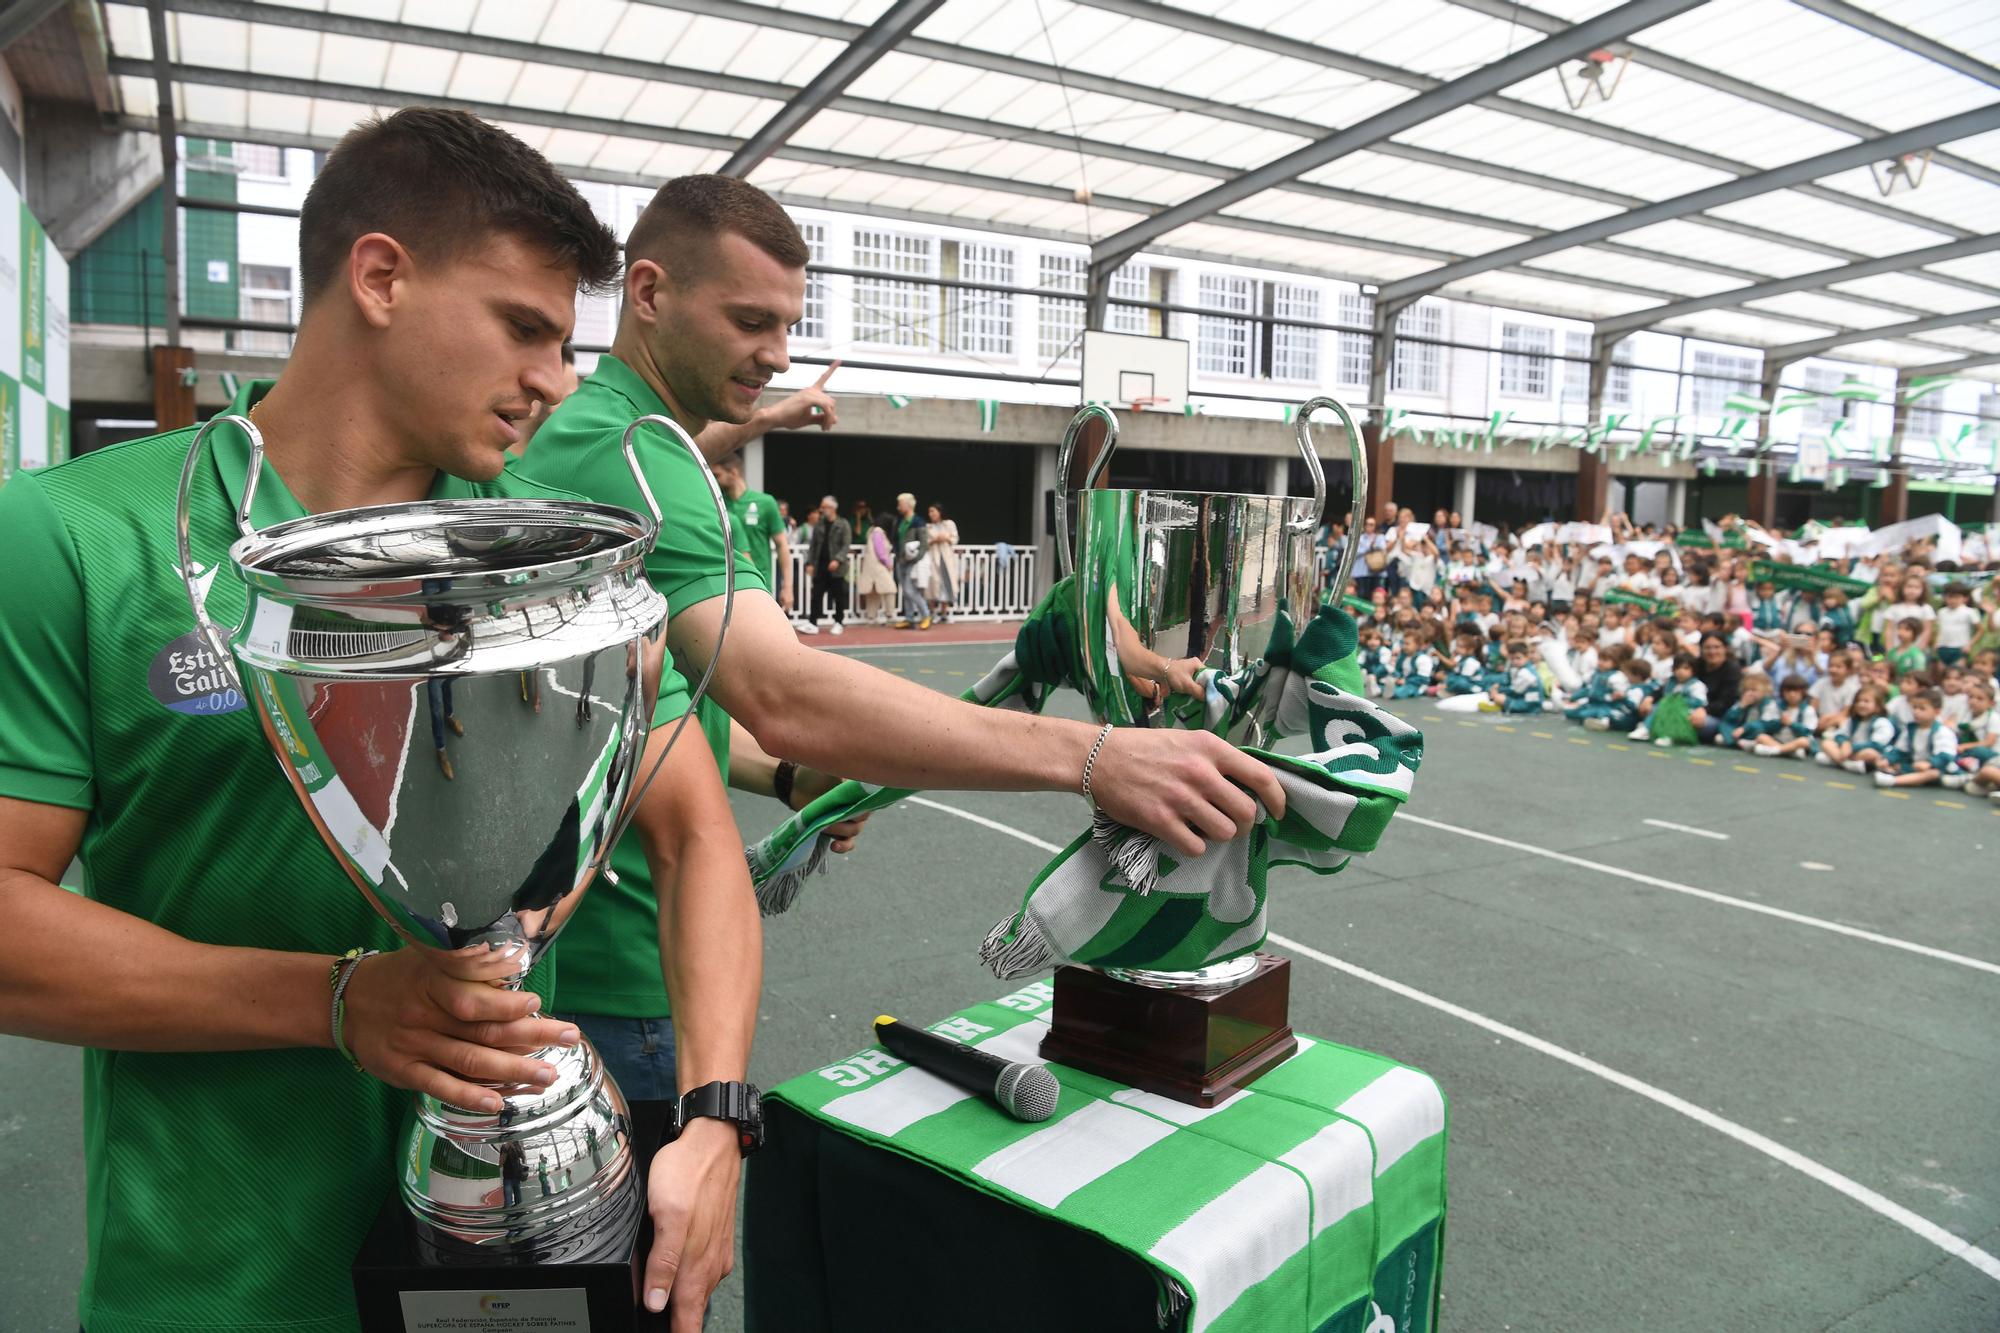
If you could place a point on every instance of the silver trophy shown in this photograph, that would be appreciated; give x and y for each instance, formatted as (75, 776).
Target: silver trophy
(1167, 585)
(514, 638)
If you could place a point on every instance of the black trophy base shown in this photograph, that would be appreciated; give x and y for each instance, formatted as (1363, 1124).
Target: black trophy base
(1194, 1046)
(397, 1291)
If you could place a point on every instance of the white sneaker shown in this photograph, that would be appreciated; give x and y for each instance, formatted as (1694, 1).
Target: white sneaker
(806, 627)
(1975, 787)
(1764, 748)
(1885, 780)
(1639, 733)
(1823, 759)
(1953, 781)
(1597, 724)
(1663, 741)
(1854, 765)
(836, 628)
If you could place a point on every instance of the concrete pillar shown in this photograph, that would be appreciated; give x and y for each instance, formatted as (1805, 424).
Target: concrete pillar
(1896, 499)
(1375, 447)
(1278, 476)
(1465, 491)
(173, 400)
(1763, 503)
(753, 465)
(1046, 481)
(1677, 502)
(1593, 473)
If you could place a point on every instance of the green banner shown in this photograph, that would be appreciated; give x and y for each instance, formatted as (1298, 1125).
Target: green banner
(1358, 605)
(1652, 606)
(34, 302)
(1806, 578)
(1699, 541)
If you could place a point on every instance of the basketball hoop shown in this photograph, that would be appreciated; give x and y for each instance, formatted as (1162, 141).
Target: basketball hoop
(1141, 404)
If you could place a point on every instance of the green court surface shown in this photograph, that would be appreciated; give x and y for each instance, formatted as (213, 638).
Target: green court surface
(1721, 1035)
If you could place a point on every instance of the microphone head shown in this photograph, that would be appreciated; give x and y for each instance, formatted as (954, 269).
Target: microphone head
(1027, 1092)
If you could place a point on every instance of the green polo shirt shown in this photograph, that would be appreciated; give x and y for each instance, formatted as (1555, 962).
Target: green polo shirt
(754, 523)
(224, 1189)
(611, 948)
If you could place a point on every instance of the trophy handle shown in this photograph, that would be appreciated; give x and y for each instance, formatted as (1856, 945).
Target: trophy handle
(679, 432)
(1064, 555)
(212, 636)
(1357, 469)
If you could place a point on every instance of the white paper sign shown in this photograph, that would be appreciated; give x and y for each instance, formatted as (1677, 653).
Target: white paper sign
(529, 1311)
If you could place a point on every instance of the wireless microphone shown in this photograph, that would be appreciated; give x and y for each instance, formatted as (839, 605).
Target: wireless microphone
(1024, 1091)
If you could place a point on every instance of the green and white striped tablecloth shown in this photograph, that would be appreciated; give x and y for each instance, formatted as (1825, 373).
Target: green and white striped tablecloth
(1313, 1200)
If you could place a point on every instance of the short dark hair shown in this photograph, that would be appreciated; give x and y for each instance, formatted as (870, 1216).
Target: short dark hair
(686, 214)
(1793, 683)
(1929, 695)
(1685, 659)
(441, 181)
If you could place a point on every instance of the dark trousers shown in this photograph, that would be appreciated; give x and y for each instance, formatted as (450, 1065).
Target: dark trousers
(832, 587)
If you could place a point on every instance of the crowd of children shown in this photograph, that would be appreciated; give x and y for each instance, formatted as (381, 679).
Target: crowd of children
(1883, 665)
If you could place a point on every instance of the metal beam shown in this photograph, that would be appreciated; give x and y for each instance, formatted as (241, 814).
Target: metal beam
(881, 37)
(1876, 26)
(170, 217)
(1329, 55)
(1961, 126)
(1953, 367)
(1892, 332)
(1654, 58)
(1482, 82)
(251, 11)
(1907, 261)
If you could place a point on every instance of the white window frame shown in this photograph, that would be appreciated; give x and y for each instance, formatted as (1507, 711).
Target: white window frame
(1353, 352)
(983, 322)
(893, 311)
(1059, 324)
(812, 325)
(1524, 360)
(1295, 351)
(1224, 345)
(1419, 367)
(1721, 374)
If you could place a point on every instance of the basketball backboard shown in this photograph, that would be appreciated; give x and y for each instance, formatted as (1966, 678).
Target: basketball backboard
(1131, 371)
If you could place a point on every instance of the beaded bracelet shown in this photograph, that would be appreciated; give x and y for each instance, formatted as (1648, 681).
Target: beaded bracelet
(342, 973)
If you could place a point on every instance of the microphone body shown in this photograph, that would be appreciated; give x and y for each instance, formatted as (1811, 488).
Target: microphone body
(1024, 1091)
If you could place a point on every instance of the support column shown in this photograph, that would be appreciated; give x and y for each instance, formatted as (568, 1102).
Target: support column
(173, 397)
(1278, 476)
(1896, 499)
(1046, 481)
(1380, 451)
(1677, 502)
(1465, 491)
(753, 465)
(1762, 506)
(173, 400)
(1593, 470)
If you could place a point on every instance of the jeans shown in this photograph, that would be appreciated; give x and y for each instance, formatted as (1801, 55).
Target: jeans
(637, 1052)
(437, 694)
(915, 605)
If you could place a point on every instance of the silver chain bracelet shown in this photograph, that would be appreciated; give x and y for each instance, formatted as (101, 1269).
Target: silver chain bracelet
(1091, 762)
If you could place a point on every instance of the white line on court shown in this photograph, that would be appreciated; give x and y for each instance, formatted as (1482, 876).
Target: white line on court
(1686, 828)
(1653, 881)
(1915, 1223)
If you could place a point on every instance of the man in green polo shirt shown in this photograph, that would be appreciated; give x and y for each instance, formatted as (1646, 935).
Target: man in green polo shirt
(756, 528)
(715, 275)
(233, 1159)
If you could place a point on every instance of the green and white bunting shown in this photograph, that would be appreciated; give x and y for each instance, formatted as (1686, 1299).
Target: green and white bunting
(897, 400)
(1313, 1199)
(989, 415)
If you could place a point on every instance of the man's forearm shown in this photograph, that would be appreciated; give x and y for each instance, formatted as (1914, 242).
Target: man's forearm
(79, 972)
(711, 944)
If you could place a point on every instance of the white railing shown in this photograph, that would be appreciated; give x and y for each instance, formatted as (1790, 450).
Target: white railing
(986, 590)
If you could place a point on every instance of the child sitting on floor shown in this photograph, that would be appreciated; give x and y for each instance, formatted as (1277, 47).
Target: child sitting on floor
(1754, 712)
(1868, 736)
(1375, 667)
(1833, 694)
(1978, 737)
(1592, 704)
(1908, 684)
(1793, 734)
(1522, 692)
(1924, 748)
(1414, 667)
(1468, 667)
(1957, 706)
(1626, 706)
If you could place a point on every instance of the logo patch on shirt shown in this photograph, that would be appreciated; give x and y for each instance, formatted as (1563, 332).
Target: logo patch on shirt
(186, 678)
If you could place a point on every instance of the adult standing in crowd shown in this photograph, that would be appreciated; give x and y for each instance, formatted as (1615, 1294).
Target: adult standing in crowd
(941, 536)
(756, 528)
(912, 546)
(440, 263)
(874, 583)
(715, 276)
(828, 561)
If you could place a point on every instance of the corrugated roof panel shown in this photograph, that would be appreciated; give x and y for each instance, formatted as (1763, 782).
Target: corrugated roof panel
(580, 25)
(480, 78)
(451, 15)
(1744, 328)
(1420, 182)
(1947, 196)
(710, 43)
(1494, 137)
(273, 48)
(1829, 308)
(1520, 292)
(1979, 268)
(647, 32)
(1829, 223)
(301, 115)
(219, 43)
(367, 9)
(548, 87)
(214, 106)
(128, 32)
(615, 97)
(793, 58)
(357, 60)
(1360, 220)
(1337, 260)
(1688, 238)
(1593, 263)
(417, 69)
(517, 20)
(1914, 289)
(619, 153)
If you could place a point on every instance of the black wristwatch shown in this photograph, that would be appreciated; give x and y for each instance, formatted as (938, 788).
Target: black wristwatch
(737, 1102)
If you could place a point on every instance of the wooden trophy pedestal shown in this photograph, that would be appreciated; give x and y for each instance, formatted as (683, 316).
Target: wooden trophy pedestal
(1194, 1046)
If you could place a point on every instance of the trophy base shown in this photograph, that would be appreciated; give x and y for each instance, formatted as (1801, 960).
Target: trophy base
(400, 1287)
(1195, 1045)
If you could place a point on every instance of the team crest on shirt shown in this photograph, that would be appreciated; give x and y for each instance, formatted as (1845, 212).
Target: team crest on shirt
(750, 514)
(185, 675)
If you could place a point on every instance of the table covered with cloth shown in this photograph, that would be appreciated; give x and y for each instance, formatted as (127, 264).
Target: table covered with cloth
(1312, 1200)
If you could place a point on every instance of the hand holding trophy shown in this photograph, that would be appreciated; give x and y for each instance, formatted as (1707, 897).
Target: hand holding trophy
(375, 635)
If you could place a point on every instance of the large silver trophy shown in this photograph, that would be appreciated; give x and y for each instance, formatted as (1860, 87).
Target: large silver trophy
(1169, 584)
(514, 639)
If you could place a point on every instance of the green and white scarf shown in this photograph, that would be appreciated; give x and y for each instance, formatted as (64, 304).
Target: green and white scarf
(1313, 1199)
(1118, 897)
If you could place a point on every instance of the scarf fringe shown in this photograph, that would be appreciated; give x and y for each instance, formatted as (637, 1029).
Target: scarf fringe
(1017, 948)
(1134, 855)
(777, 893)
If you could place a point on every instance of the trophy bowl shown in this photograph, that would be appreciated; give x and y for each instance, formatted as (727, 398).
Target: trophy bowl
(459, 692)
(1169, 584)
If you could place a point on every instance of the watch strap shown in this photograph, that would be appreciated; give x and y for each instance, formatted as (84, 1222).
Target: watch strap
(739, 1103)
